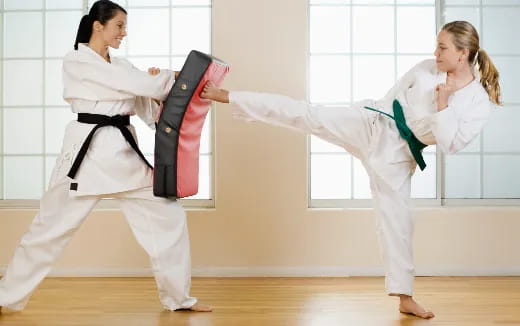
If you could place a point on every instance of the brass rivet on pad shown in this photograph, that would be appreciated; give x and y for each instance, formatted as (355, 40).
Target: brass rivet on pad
(168, 129)
(184, 87)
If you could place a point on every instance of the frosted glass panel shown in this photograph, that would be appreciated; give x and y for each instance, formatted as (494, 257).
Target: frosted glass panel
(148, 3)
(361, 181)
(371, 2)
(205, 145)
(430, 149)
(1, 41)
(54, 83)
(370, 39)
(329, 1)
(420, 20)
(373, 76)
(191, 2)
(473, 146)
(23, 4)
(177, 63)
(500, 2)
(509, 68)
(330, 79)
(22, 82)
(462, 176)
(122, 3)
(320, 145)
(424, 183)
(462, 2)
(502, 176)
(23, 35)
(61, 28)
(145, 63)
(148, 31)
(191, 30)
(56, 119)
(501, 134)
(329, 32)
(330, 176)
(407, 62)
(22, 130)
(471, 14)
(23, 177)
(121, 51)
(150, 158)
(204, 178)
(64, 4)
(416, 2)
(501, 30)
(145, 135)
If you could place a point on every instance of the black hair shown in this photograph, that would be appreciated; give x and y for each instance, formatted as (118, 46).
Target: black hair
(102, 11)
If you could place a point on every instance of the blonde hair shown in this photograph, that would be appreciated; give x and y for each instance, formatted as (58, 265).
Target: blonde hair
(465, 36)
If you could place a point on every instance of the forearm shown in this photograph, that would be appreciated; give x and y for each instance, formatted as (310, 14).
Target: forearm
(441, 105)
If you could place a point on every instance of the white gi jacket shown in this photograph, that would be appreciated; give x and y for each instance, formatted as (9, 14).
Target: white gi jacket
(386, 154)
(451, 129)
(93, 85)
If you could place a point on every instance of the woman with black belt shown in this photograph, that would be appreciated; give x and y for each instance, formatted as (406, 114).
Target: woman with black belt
(99, 159)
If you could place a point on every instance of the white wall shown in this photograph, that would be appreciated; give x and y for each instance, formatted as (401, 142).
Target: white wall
(261, 224)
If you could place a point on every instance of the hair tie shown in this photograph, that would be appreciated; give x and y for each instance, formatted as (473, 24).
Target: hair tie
(476, 55)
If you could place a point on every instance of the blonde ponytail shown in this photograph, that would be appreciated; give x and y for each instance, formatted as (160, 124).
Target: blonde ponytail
(489, 76)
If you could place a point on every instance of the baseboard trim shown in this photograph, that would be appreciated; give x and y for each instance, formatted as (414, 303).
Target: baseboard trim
(280, 272)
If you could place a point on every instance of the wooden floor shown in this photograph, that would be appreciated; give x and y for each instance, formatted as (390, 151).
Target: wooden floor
(457, 301)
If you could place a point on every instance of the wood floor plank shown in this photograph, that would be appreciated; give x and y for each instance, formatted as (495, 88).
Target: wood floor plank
(359, 301)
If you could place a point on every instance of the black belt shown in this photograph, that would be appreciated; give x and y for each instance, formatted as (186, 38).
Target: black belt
(118, 121)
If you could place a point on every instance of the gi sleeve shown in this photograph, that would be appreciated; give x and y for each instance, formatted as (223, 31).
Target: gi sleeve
(121, 77)
(147, 110)
(454, 128)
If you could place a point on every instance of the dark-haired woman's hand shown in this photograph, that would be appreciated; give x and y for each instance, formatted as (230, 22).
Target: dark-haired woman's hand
(159, 111)
(154, 71)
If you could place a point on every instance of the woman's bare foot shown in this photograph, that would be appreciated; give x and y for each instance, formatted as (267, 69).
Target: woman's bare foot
(409, 306)
(211, 92)
(201, 307)
(198, 307)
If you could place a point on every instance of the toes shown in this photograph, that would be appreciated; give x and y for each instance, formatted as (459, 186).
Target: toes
(424, 315)
(201, 308)
(428, 315)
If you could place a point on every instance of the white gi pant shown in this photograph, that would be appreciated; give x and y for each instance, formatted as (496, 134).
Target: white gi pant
(358, 130)
(158, 224)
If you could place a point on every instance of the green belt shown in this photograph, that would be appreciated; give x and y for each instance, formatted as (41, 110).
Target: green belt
(415, 145)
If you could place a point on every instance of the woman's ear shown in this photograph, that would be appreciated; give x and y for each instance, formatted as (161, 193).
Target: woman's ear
(465, 55)
(97, 27)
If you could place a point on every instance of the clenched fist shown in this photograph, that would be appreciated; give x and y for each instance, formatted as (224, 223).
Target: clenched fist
(444, 91)
(154, 71)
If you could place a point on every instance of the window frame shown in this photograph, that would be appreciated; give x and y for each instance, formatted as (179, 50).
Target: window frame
(441, 200)
(105, 204)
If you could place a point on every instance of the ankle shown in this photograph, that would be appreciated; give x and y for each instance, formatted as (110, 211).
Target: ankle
(223, 95)
(404, 298)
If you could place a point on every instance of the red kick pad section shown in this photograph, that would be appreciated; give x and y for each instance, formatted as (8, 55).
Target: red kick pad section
(191, 129)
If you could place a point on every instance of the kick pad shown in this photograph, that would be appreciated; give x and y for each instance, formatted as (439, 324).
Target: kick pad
(177, 137)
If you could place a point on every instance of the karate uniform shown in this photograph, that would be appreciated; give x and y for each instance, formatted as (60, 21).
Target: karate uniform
(111, 168)
(374, 139)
